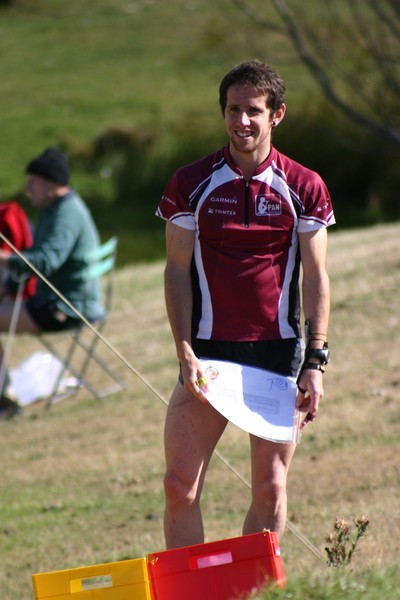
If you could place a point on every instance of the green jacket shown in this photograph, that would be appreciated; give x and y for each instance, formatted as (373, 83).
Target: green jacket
(65, 232)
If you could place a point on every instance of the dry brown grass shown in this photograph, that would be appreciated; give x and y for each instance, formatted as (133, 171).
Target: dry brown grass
(82, 483)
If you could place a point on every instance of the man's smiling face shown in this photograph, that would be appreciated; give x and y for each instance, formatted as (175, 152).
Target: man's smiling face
(248, 121)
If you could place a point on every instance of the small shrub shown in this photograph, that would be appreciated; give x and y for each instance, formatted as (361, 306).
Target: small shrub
(343, 540)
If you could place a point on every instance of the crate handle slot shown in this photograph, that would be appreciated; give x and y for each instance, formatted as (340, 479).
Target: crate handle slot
(210, 560)
(90, 583)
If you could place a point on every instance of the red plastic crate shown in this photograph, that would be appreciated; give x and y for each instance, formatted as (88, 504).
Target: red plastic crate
(223, 570)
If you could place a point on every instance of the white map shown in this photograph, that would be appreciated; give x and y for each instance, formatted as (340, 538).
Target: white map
(261, 402)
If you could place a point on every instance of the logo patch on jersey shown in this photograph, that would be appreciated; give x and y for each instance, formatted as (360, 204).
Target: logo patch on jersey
(268, 205)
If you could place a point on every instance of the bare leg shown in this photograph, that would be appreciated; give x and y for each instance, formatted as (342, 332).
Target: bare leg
(270, 465)
(25, 324)
(192, 430)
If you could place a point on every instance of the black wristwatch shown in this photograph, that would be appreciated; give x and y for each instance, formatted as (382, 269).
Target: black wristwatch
(321, 354)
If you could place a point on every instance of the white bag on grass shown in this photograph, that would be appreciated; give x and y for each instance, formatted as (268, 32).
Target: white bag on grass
(34, 378)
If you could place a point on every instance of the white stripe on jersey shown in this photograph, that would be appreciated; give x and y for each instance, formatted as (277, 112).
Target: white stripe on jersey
(219, 177)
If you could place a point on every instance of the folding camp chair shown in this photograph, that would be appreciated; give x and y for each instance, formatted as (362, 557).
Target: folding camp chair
(100, 263)
(79, 344)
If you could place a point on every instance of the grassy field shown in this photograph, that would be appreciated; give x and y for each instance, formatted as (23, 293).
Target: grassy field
(82, 483)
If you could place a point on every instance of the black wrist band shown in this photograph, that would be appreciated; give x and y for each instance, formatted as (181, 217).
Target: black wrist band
(321, 354)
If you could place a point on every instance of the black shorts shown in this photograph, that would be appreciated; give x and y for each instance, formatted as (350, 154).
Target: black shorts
(280, 356)
(44, 312)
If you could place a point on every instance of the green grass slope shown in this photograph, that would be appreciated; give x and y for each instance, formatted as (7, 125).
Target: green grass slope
(69, 70)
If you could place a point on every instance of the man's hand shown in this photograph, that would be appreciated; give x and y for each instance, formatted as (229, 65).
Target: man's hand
(194, 379)
(310, 392)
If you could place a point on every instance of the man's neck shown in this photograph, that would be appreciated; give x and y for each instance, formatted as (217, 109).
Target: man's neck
(57, 192)
(248, 162)
(62, 190)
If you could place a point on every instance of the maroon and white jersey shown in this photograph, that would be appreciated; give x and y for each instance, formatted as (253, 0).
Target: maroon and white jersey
(246, 261)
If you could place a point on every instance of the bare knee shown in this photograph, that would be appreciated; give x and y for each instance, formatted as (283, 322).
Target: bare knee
(178, 491)
(269, 493)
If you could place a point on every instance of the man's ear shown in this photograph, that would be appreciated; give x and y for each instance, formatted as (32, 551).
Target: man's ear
(278, 115)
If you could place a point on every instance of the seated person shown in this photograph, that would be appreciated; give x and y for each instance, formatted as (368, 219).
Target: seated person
(65, 232)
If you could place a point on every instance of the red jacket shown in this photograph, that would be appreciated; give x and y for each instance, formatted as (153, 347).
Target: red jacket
(15, 226)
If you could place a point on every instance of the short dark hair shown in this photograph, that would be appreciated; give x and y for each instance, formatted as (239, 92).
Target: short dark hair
(263, 78)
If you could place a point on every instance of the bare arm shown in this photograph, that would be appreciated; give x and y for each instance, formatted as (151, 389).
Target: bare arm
(179, 302)
(316, 305)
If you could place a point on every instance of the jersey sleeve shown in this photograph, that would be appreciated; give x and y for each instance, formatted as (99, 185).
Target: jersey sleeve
(317, 211)
(174, 205)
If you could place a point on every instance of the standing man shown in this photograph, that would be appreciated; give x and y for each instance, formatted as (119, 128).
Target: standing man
(239, 224)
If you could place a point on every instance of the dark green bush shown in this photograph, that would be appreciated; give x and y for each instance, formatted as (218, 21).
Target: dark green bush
(360, 171)
(122, 172)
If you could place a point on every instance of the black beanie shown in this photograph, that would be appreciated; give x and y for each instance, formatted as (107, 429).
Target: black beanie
(52, 165)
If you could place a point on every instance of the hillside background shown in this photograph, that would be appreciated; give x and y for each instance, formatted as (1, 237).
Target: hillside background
(130, 90)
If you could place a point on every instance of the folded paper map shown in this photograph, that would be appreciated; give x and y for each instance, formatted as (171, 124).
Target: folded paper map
(261, 402)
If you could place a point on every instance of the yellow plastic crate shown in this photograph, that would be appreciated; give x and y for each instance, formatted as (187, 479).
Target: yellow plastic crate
(123, 580)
